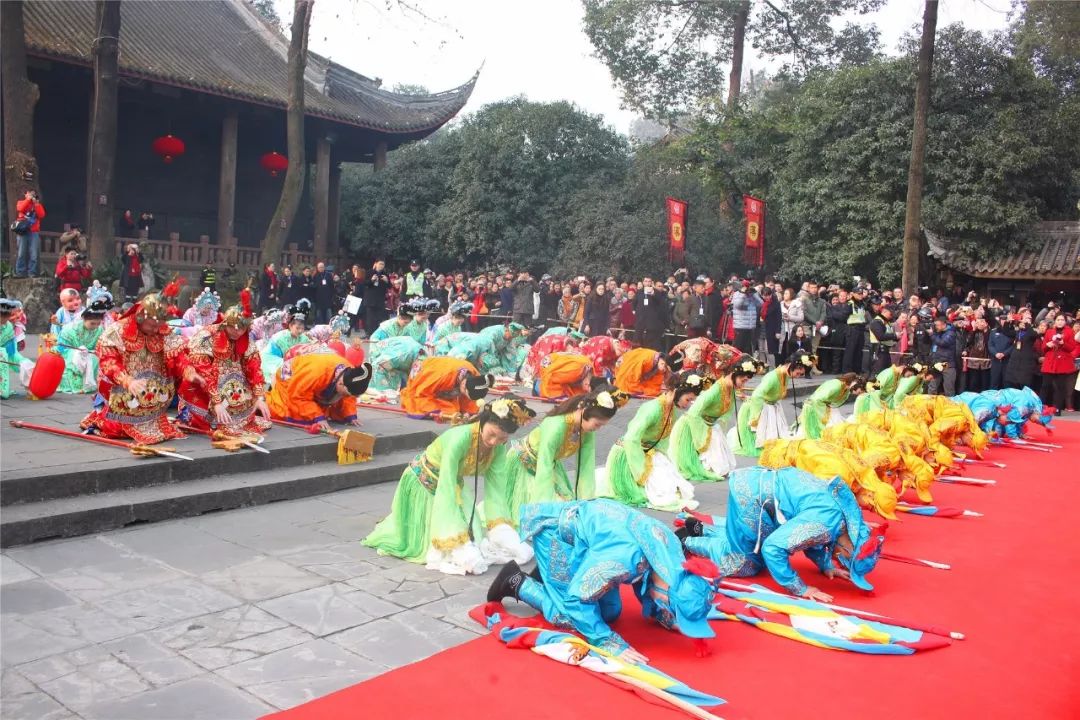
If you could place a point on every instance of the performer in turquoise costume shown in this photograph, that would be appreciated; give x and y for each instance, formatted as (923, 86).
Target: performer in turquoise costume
(392, 360)
(9, 347)
(463, 346)
(411, 321)
(451, 322)
(585, 550)
(283, 340)
(76, 345)
(773, 514)
(508, 349)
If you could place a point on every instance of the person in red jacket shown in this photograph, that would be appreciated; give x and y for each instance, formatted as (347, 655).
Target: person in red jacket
(1059, 344)
(26, 262)
(71, 272)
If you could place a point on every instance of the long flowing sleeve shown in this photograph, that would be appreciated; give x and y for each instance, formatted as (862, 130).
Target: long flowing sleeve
(449, 526)
(797, 534)
(344, 410)
(496, 490)
(647, 418)
(550, 479)
(584, 486)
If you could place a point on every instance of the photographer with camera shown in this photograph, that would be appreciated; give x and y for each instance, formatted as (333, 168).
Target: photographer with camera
(943, 350)
(745, 306)
(1059, 345)
(73, 270)
(856, 329)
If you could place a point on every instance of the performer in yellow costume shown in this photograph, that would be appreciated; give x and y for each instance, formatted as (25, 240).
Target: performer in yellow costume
(314, 388)
(564, 374)
(444, 386)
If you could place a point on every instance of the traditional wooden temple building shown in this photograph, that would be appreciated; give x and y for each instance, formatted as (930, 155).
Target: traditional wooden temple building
(201, 115)
(1049, 269)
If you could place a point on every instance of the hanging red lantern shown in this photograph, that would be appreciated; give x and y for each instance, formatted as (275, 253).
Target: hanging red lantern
(274, 162)
(168, 147)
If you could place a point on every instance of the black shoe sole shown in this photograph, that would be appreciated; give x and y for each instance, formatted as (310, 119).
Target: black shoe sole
(500, 586)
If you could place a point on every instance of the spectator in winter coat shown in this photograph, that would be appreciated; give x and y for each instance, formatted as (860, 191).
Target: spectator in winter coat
(652, 313)
(745, 305)
(698, 313)
(71, 272)
(1059, 345)
(627, 314)
(1000, 346)
(813, 312)
(597, 312)
(26, 262)
(523, 303)
(288, 285)
(772, 323)
(268, 287)
(378, 283)
(943, 350)
(680, 316)
(131, 281)
(324, 293)
(791, 317)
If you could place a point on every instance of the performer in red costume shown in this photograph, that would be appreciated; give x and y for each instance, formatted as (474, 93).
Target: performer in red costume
(139, 359)
(222, 387)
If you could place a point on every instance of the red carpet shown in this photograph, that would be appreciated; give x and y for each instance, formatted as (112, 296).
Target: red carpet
(1012, 588)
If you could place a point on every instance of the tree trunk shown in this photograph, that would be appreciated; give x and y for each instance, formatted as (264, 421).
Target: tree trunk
(99, 172)
(19, 98)
(293, 185)
(913, 215)
(738, 43)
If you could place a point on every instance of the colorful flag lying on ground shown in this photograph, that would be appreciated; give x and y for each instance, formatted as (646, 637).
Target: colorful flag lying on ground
(935, 511)
(572, 650)
(814, 624)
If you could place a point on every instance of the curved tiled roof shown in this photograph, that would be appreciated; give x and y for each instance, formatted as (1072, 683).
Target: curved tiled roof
(222, 47)
(1057, 256)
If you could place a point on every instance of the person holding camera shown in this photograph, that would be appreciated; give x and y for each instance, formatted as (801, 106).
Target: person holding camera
(745, 306)
(27, 225)
(1059, 345)
(1024, 358)
(145, 222)
(131, 281)
(72, 270)
(855, 336)
(523, 303)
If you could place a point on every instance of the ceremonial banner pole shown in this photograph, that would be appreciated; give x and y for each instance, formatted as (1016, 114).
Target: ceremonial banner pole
(224, 442)
(864, 614)
(134, 448)
(961, 480)
(688, 708)
(916, 561)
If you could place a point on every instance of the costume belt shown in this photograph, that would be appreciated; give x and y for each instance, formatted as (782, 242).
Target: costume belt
(425, 472)
(527, 456)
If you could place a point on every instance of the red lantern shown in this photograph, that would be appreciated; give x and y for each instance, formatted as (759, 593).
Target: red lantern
(168, 147)
(274, 162)
(48, 371)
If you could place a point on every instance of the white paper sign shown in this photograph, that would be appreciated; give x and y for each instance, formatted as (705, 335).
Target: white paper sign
(352, 305)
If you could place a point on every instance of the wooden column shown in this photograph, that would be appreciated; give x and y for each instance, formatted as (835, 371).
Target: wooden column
(380, 156)
(226, 210)
(333, 223)
(322, 196)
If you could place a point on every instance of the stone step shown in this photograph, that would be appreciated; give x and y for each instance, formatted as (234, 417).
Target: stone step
(87, 514)
(106, 470)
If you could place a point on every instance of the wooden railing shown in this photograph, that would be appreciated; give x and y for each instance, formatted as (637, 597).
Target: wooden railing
(178, 256)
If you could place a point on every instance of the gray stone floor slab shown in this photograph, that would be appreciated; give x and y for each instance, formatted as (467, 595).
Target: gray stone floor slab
(295, 675)
(335, 562)
(230, 637)
(12, 572)
(168, 602)
(183, 547)
(31, 596)
(401, 639)
(329, 609)
(202, 698)
(261, 579)
(34, 705)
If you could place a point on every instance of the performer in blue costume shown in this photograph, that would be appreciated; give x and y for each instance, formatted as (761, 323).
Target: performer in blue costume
(988, 409)
(392, 360)
(508, 348)
(585, 550)
(411, 321)
(463, 346)
(773, 514)
(1026, 407)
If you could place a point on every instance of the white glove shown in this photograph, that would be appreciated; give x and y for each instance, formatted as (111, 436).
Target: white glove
(503, 544)
(26, 370)
(469, 558)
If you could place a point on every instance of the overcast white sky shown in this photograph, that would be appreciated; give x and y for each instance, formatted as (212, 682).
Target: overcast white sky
(534, 48)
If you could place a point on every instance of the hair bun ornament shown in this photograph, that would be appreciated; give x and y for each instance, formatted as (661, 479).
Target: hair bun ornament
(501, 408)
(605, 400)
(694, 380)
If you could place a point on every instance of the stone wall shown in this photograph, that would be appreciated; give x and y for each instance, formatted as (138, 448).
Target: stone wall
(39, 298)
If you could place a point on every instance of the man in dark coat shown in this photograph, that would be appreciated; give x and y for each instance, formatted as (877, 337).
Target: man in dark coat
(324, 293)
(375, 288)
(651, 314)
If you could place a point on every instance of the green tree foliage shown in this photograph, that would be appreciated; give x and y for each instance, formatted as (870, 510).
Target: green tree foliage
(268, 11)
(1047, 34)
(830, 156)
(668, 57)
(538, 185)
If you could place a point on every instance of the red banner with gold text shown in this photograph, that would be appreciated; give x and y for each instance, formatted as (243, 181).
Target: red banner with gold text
(754, 244)
(676, 219)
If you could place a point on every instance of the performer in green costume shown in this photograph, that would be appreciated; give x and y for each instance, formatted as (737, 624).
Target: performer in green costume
(762, 417)
(821, 408)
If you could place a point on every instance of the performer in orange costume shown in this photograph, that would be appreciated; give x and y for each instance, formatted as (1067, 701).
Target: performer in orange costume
(222, 386)
(641, 372)
(139, 358)
(444, 385)
(564, 375)
(310, 389)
